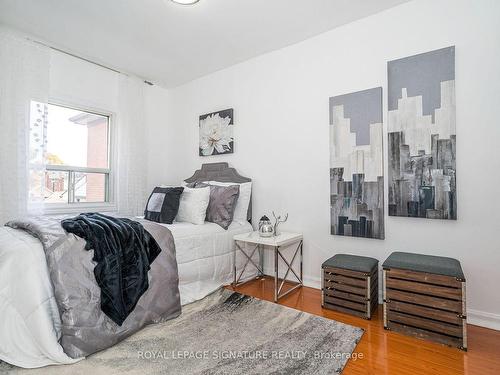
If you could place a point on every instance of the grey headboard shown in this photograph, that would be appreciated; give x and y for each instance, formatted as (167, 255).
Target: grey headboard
(222, 173)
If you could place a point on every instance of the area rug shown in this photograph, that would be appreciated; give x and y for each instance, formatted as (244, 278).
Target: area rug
(225, 333)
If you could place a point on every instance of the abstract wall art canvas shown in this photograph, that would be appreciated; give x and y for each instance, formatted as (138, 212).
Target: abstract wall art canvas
(356, 164)
(216, 133)
(422, 136)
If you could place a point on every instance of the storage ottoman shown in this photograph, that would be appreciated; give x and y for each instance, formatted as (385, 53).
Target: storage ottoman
(349, 285)
(424, 296)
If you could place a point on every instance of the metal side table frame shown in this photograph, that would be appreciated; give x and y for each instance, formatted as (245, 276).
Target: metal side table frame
(276, 243)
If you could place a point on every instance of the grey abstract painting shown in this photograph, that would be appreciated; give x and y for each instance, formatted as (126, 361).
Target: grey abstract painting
(422, 135)
(356, 164)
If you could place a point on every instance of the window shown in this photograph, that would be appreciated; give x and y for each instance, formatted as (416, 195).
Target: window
(73, 146)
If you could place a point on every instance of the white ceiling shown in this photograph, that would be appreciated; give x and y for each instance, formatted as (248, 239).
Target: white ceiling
(171, 44)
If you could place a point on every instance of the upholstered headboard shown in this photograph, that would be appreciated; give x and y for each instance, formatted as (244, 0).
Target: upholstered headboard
(220, 172)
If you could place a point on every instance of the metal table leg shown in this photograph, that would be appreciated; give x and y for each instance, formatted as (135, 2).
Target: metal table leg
(248, 260)
(277, 289)
(301, 258)
(276, 249)
(261, 258)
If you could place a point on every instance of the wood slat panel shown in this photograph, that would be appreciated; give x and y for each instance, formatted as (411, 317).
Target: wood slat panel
(345, 303)
(340, 271)
(349, 296)
(345, 310)
(424, 277)
(440, 303)
(345, 288)
(417, 287)
(348, 280)
(427, 312)
(423, 334)
(423, 323)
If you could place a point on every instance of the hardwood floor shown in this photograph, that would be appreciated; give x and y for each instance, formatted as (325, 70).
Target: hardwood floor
(387, 352)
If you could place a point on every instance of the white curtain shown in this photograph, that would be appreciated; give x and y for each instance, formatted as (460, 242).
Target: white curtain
(131, 147)
(24, 77)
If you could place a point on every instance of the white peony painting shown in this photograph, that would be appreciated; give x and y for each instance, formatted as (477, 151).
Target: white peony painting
(216, 133)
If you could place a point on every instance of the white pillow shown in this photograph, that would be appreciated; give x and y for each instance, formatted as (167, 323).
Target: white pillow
(193, 205)
(240, 212)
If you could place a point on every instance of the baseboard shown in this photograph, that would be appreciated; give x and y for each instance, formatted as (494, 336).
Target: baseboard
(483, 319)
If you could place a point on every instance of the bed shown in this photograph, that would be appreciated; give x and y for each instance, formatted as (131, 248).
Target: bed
(30, 323)
(205, 253)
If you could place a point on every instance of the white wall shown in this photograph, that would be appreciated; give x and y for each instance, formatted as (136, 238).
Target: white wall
(282, 134)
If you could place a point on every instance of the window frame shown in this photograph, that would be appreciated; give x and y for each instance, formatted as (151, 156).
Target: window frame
(110, 193)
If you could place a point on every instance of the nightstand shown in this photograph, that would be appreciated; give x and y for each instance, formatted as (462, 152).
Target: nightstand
(276, 244)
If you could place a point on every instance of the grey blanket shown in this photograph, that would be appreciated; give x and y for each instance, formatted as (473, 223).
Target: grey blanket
(85, 328)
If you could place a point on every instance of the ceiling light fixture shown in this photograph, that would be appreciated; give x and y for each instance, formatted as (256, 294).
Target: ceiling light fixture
(185, 2)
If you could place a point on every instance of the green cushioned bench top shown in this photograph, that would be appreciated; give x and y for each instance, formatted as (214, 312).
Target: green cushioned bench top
(352, 262)
(425, 263)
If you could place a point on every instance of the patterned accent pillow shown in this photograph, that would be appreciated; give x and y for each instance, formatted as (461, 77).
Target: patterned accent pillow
(222, 203)
(163, 204)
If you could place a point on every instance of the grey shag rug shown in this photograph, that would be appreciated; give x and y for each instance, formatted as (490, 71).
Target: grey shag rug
(225, 333)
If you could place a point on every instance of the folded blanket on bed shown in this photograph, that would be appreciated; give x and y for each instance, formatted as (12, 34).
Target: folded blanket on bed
(124, 252)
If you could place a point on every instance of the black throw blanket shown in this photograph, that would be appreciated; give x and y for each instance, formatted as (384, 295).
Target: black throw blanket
(124, 252)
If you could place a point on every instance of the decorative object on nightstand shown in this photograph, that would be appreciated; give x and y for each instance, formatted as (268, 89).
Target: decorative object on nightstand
(349, 284)
(265, 227)
(277, 222)
(277, 244)
(424, 297)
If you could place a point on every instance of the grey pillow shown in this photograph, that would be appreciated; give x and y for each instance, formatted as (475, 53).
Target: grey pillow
(222, 203)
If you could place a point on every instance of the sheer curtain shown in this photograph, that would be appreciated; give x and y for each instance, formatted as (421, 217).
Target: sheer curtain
(131, 147)
(24, 92)
(24, 76)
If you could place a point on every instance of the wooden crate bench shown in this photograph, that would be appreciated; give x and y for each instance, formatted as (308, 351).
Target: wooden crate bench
(350, 285)
(424, 297)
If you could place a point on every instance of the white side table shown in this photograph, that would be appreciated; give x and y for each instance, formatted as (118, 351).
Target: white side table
(274, 243)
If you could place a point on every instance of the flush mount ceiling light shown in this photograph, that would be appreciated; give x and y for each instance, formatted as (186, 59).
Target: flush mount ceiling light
(185, 2)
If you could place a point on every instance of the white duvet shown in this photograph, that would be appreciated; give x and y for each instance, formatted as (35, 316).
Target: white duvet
(29, 318)
(205, 257)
